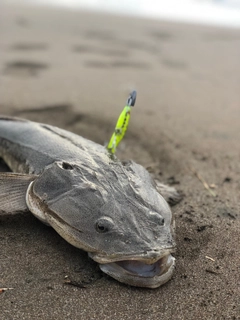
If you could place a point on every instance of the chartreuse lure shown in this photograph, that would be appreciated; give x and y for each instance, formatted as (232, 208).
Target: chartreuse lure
(122, 124)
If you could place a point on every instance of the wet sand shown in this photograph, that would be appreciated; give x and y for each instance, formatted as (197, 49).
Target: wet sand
(75, 70)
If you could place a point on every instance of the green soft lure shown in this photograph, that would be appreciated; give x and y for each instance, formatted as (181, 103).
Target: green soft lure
(122, 124)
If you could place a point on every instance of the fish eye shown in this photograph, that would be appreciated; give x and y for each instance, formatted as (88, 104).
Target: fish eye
(101, 228)
(103, 225)
(67, 166)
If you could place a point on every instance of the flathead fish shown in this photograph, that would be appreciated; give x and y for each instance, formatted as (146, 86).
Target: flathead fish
(110, 208)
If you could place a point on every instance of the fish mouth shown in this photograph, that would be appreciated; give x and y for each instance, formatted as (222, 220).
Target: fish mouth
(141, 273)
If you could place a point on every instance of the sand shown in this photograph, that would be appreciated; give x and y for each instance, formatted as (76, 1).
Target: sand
(75, 69)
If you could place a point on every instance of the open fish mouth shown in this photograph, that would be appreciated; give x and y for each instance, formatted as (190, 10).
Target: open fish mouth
(139, 273)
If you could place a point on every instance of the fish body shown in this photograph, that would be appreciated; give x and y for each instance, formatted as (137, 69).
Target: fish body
(107, 207)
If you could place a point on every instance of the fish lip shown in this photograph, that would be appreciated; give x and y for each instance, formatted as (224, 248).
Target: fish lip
(148, 257)
(141, 275)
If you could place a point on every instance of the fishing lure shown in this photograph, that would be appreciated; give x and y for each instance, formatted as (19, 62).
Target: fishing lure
(122, 123)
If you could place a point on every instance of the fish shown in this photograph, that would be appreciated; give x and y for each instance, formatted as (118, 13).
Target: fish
(112, 209)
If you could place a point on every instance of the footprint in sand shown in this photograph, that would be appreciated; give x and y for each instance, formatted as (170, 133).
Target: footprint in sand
(24, 68)
(117, 64)
(29, 46)
(174, 64)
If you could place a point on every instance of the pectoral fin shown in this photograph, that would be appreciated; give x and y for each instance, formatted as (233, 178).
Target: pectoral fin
(13, 188)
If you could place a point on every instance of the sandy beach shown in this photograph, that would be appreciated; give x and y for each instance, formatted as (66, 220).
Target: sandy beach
(75, 69)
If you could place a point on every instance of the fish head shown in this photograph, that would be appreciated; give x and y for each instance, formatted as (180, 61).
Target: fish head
(114, 213)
